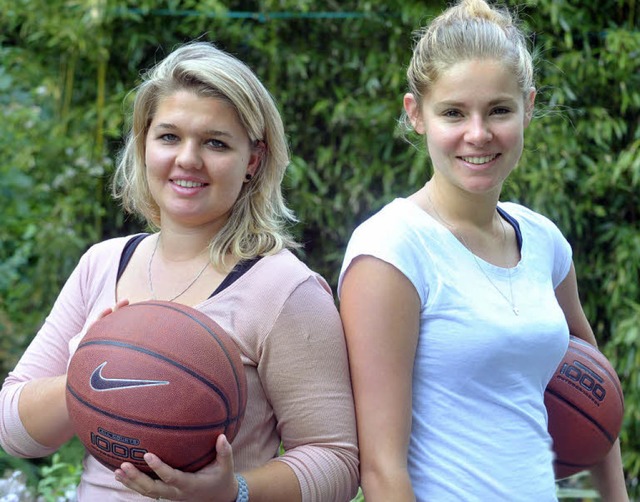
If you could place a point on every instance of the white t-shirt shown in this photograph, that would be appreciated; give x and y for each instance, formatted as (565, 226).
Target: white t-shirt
(479, 424)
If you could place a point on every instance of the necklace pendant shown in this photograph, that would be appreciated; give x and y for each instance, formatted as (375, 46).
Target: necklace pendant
(516, 310)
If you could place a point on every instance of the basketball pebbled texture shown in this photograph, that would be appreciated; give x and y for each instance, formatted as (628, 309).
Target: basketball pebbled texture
(585, 405)
(156, 376)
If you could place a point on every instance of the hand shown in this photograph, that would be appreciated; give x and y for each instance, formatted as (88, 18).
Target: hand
(106, 312)
(76, 340)
(214, 483)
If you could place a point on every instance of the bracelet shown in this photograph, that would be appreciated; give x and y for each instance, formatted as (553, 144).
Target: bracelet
(243, 489)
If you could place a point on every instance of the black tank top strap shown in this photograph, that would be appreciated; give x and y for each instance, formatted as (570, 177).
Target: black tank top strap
(238, 271)
(514, 223)
(127, 252)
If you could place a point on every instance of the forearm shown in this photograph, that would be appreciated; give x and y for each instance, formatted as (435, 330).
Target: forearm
(43, 410)
(386, 484)
(273, 482)
(608, 477)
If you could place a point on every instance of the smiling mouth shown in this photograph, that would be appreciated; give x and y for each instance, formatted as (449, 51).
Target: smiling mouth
(480, 160)
(188, 184)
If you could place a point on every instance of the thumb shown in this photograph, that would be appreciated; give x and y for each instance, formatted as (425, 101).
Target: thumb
(224, 453)
(224, 459)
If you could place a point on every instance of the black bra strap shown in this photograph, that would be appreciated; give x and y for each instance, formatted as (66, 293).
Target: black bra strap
(514, 223)
(237, 272)
(127, 252)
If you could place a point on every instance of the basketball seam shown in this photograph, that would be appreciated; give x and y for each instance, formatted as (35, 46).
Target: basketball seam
(570, 464)
(223, 423)
(609, 437)
(151, 353)
(213, 334)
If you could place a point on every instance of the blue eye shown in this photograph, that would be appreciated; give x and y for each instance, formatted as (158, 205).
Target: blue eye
(215, 143)
(452, 113)
(168, 137)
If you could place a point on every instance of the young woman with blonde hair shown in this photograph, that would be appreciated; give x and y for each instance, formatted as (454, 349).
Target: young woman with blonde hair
(203, 164)
(457, 307)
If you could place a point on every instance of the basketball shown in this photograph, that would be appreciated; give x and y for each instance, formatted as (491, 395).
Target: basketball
(155, 376)
(585, 406)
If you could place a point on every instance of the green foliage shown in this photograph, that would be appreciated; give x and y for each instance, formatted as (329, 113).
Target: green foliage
(582, 168)
(53, 479)
(59, 477)
(10, 464)
(66, 67)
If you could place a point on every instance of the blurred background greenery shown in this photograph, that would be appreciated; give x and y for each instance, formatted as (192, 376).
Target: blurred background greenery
(336, 70)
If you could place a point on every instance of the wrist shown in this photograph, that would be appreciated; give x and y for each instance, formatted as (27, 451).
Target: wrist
(243, 490)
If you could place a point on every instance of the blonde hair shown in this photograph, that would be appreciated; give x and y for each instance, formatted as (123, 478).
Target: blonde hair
(258, 220)
(471, 29)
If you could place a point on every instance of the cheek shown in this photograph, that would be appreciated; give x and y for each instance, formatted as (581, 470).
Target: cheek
(442, 139)
(228, 175)
(514, 136)
(155, 158)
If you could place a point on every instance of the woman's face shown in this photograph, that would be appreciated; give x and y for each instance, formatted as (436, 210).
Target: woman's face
(197, 155)
(474, 118)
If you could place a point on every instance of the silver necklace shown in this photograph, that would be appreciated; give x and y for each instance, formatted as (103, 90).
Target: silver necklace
(153, 295)
(509, 299)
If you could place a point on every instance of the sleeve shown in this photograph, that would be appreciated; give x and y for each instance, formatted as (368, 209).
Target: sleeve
(47, 356)
(563, 256)
(541, 228)
(305, 373)
(391, 236)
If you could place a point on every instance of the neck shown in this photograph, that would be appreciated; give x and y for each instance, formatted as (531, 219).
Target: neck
(485, 235)
(460, 209)
(182, 246)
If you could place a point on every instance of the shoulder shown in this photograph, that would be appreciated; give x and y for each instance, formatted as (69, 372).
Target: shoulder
(280, 289)
(390, 215)
(103, 257)
(530, 219)
(288, 271)
(101, 260)
(109, 247)
(542, 238)
(104, 253)
(400, 234)
(399, 224)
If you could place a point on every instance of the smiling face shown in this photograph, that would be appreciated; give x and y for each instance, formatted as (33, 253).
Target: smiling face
(474, 118)
(197, 154)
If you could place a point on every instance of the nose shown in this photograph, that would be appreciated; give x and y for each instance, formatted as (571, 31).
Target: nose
(478, 131)
(189, 155)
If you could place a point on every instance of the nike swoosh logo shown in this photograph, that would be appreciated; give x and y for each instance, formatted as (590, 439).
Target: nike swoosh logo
(102, 384)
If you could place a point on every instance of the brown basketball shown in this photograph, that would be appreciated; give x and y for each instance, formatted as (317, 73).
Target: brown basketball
(585, 405)
(160, 377)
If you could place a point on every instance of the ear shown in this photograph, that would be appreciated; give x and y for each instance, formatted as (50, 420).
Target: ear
(412, 108)
(258, 151)
(529, 106)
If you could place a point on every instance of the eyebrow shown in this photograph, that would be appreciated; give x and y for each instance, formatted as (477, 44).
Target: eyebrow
(493, 102)
(209, 132)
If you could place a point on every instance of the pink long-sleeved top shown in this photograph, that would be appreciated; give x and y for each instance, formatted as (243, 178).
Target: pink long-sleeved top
(283, 318)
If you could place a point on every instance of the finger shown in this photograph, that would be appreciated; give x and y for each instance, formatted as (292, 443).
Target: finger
(105, 313)
(122, 303)
(137, 480)
(224, 454)
(224, 461)
(164, 471)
